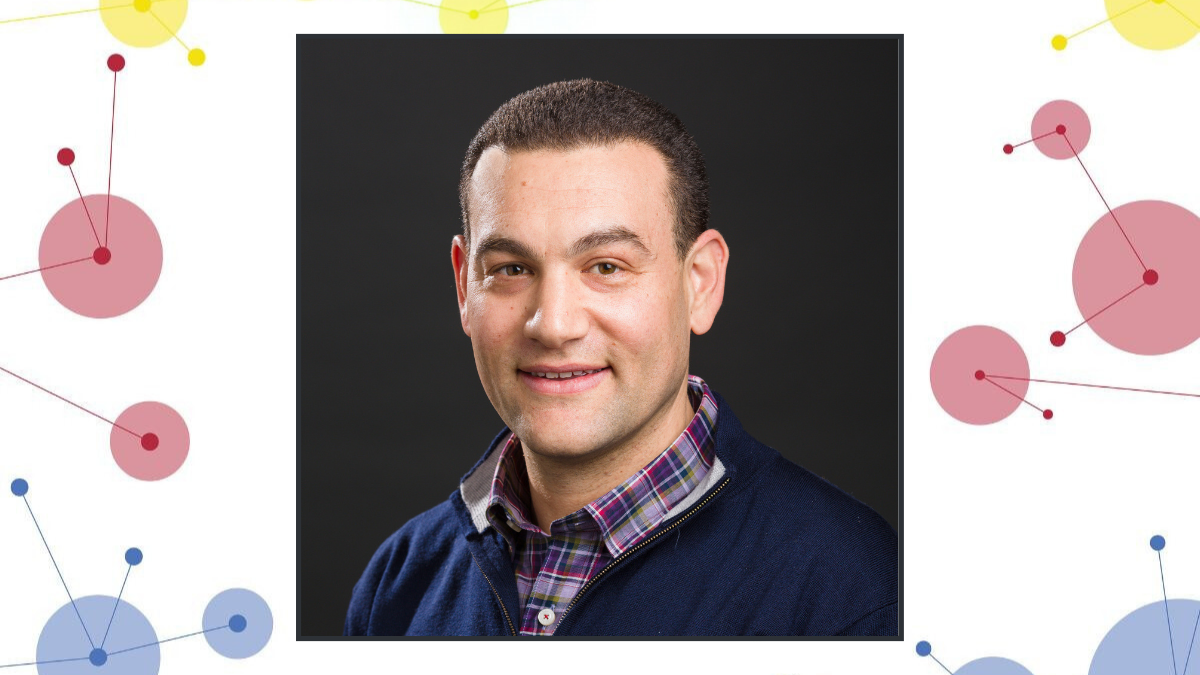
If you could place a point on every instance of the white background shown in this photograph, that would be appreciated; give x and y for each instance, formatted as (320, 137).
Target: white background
(1025, 539)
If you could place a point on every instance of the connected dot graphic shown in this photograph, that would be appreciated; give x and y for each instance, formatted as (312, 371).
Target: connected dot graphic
(96, 631)
(101, 257)
(137, 23)
(1135, 280)
(473, 16)
(1151, 24)
(1159, 637)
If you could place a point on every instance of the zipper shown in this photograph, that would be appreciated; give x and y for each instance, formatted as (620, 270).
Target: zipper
(504, 609)
(633, 550)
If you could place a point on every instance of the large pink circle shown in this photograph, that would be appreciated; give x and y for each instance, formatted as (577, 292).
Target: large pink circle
(1154, 319)
(1078, 129)
(150, 441)
(953, 375)
(72, 268)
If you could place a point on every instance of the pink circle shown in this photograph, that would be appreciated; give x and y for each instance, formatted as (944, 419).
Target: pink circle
(955, 378)
(1057, 145)
(150, 461)
(72, 273)
(1156, 318)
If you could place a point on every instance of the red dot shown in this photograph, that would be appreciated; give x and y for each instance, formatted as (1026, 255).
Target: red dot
(979, 375)
(1008, 148)
(1047, 413)
(102, 255)
(149, 441)
(1058, 338)
(66, 157)
(1150, 277)
(1061, 129)
(116, 63)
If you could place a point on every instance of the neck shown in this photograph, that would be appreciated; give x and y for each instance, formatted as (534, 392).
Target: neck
(559, 487)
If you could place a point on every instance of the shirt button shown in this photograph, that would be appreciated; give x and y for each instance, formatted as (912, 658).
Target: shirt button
(546, 617)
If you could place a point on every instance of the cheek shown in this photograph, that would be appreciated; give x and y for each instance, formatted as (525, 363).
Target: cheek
(644, 325)
(495, 325)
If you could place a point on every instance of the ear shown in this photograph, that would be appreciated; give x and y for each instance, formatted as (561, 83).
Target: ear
(705, 268)
(458, 259)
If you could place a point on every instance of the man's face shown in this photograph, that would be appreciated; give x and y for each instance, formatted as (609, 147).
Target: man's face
(572, 267)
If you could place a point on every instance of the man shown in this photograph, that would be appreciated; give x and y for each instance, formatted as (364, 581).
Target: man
(623, 497)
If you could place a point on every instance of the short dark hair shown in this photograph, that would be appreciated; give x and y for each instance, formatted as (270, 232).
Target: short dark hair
(566, 115)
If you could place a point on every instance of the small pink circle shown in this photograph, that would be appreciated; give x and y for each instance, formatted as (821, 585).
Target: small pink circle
(66, 157)
(76, 274)
(1159, 317)
(1008, 148)
(1047, 414)
(1058, 338)
(957, 363)
(116, 63)
(167, 433)
(1067, 125)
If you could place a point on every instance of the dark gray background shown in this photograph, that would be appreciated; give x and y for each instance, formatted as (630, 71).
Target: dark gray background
(801, 141)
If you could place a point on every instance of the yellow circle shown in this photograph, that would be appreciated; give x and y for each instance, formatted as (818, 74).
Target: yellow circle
(1059, 42)
(1155, 25)
(196, 57)
(142, 5)
(473, 16)
(143, 28)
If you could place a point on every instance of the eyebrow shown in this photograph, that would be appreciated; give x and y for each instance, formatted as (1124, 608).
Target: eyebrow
(612, 235)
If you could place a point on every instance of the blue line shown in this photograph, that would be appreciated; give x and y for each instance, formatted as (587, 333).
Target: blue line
(1193, 642)
(115, 606)
(180, 637)
(38, 663)
(941, 664)
(1171, 635)
(60, 575)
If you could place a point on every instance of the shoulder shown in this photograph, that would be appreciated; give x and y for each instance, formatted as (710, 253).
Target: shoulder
(415, 551)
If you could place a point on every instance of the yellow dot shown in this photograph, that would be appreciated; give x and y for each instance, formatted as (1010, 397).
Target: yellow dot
(196, 57)
(138, 27)
(1059, 42)
(1155, 28)
(465, 16)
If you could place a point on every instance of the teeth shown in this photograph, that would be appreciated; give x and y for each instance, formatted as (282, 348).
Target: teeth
(565, 376)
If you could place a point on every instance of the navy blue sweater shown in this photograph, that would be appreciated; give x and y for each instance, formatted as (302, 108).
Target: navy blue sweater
(762, 547)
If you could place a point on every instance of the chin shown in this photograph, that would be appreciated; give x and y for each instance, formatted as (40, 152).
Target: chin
(561, 436)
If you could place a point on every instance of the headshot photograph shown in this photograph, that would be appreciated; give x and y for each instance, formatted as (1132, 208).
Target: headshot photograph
(599, 337)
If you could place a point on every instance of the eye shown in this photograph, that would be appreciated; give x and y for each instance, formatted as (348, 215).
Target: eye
(513, 270)
(605, 268)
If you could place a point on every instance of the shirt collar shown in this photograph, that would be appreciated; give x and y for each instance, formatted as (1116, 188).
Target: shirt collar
(628, 512)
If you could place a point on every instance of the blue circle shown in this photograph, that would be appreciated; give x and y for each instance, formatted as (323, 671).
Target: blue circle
(993, 665)
(20, 487)
(1157, 542)
(133, 556)
(924, 648)
(131, 645)
(220, 623)
(1137, 643)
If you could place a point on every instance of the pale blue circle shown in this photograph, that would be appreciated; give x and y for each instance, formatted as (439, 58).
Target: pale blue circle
(1140, 642)
(255, 621)
(924, 648)
(993, 665)
(64, 641)
(20, 487)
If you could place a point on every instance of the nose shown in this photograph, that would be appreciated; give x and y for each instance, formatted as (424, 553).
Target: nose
(559, 315)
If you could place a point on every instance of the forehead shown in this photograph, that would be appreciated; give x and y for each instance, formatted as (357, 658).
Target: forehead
(549, 198)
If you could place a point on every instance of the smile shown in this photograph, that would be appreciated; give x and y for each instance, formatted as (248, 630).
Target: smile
(566, 376)
(564, 382)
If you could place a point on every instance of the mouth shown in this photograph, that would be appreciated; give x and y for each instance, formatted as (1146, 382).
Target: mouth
(545, 380)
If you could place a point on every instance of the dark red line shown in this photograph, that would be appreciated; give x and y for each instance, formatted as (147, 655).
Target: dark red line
(1097, 386)
(85, 208)
(1106, 308)
(1014, 395)
(47, 267)
(1110, 211)
(1035, 138)
(38, 386)
(111, 134)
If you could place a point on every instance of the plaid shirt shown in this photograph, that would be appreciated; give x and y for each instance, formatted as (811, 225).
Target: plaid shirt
(552, 567)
